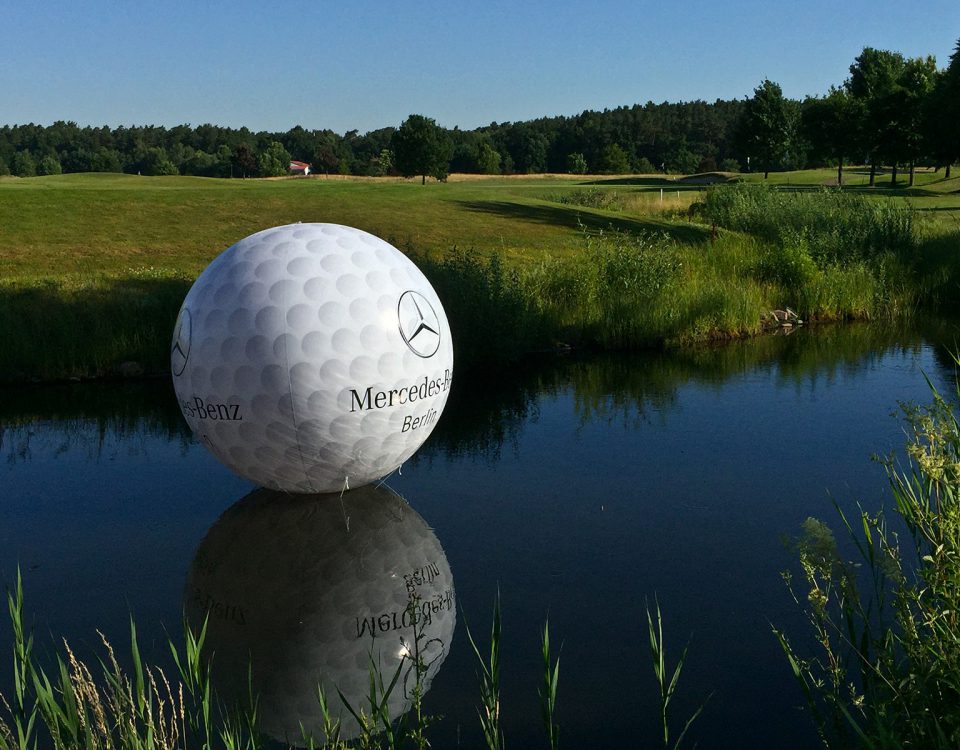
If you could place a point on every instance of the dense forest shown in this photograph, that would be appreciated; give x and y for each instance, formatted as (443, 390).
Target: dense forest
(891, 110)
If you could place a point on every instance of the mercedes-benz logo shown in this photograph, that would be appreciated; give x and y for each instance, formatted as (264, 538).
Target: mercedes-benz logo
(180, 349)
(419, 324)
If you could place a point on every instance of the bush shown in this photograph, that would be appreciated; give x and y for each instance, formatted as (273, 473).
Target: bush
(729, 165)
(607, 200)
(645, 166)
(576, 163)
(49, 164)
(614, 160)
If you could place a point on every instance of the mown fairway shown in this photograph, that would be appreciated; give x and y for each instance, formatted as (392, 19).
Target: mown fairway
(90, 223)
(84, 224)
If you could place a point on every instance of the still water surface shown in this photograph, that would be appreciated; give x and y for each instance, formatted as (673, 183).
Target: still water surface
(580, 490)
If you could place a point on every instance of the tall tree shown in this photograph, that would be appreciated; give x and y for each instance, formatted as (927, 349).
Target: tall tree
(421, 147)
(874, 82)
(528, 146)
(765, 128)
(23, 164)
(243, 161)
(915, 86)
(831, 125)
(942, 114)
(274, 160)
(614, 160)
(488, 158)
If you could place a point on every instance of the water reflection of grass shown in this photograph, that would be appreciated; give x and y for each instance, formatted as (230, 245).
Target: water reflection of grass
(633, 388)
(86, 416)
(480, 418)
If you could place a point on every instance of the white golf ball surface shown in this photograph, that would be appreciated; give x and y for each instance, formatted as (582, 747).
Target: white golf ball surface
(304, 589)
(312, 357)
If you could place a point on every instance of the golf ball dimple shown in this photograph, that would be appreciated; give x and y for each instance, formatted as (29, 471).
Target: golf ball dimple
(295, 336)
(304, 590)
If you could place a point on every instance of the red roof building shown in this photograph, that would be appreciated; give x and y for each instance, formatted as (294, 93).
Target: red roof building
(299, 167)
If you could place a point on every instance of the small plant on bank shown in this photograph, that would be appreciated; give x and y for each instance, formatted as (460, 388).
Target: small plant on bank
(886, 674)
(837, 226)
(608, 200)
(71, 710)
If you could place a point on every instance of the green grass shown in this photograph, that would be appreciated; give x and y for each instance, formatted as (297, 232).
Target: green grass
(94, 266)
(82, 224)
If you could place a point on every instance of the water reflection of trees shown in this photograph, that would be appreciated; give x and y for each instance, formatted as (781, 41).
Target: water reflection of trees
(486, 412)
(54, 419)
(484, 415)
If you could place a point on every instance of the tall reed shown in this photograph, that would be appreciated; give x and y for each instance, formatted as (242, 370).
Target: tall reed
(888, 625)
(835, 225)
(667, 680)
(489, 681)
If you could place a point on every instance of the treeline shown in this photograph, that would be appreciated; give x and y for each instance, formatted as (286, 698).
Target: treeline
(643, 138)
(891, 111)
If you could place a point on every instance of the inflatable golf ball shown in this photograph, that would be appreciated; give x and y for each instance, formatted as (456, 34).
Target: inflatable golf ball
(309, 590)
(312, 357)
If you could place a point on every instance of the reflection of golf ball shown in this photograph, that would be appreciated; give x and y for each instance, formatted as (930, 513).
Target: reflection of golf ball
(310, 357)
(306, 589)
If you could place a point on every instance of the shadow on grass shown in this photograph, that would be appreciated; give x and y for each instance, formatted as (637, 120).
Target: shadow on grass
(55, 330)
(938, 269)
(576, 217)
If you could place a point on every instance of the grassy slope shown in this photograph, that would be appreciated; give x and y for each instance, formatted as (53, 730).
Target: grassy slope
(89, 223)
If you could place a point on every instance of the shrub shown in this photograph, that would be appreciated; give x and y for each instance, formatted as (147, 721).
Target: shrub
(492, 320)
(645, 166)
(729, 165)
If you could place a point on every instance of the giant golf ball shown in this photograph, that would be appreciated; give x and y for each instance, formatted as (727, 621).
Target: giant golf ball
(301, 591)
(312, 357)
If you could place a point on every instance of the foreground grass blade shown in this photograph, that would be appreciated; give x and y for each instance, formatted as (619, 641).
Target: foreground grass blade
(548, 690)
(489, 677)
(667, 686)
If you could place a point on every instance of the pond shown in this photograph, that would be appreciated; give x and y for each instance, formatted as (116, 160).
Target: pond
(581, 490)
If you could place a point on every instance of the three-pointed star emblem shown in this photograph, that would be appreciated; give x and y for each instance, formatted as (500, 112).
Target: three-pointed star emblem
(180, 348)
(419, 324)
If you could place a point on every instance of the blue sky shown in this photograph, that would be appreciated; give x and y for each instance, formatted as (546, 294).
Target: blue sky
(363, 65)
